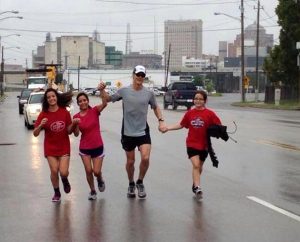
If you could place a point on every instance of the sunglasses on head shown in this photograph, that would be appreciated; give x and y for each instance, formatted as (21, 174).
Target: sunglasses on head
(140, 74)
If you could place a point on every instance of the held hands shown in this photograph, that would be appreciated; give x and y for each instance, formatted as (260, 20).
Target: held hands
(101, 86)
(76, 121)
(162, 127)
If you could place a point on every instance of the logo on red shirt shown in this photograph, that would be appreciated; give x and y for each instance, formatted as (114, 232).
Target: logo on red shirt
(57, 126)
(197, 123)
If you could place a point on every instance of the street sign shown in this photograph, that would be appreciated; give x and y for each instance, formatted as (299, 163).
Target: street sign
(246, 81)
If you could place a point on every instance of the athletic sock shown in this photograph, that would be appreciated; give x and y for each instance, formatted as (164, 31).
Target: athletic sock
(139, 181)
(57, 191)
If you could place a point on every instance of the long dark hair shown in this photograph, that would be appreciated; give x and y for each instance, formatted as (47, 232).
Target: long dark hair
(82, 94)
(63, 99)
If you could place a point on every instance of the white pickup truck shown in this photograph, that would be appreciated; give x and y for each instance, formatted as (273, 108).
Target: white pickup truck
(37, 82)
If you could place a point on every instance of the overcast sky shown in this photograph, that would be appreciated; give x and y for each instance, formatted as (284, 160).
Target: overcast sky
(110, 18)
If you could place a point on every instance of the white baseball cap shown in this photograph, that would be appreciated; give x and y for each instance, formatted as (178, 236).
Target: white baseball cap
(139, 69)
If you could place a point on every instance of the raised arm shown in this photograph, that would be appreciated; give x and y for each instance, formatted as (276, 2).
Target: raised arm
(103, 94)
(104, 97)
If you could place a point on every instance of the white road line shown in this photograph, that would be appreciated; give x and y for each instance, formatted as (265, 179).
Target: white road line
(277, 209)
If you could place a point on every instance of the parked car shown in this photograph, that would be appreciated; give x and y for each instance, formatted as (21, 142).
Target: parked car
(156, 91)
(109, 90)
(89, 90)
(180, 94)
(22, 99)
(33, 108)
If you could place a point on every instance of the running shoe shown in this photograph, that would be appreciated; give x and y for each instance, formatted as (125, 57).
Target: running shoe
(101, 185)
(141, 190)
(66, 184)
(56, 198)
(131, 191)
(92, 196)
(199, 194)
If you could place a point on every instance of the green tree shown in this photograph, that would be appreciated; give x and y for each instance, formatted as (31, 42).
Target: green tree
(199, 80)
(282, 63)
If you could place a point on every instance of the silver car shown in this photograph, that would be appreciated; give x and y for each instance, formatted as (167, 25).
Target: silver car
(33, 108)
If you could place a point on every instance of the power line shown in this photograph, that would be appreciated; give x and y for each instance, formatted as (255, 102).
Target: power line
(167, 4)
(118, 33)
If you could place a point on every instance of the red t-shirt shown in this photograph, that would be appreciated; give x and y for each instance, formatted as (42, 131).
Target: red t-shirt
(56, 141)
(197, 121)
(89, 127)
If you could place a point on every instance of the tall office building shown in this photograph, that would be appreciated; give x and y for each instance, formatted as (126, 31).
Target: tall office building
(265, 40)
(185, 39)
(222, 50)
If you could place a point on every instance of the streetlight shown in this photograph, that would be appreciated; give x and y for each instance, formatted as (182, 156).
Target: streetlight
(229, 16)
(19, 17)
(10, 11)
(242, 47)
(8, 36)
(4, 36)
(2, 68)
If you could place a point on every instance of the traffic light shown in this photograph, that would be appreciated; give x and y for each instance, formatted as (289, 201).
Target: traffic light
(51, 73)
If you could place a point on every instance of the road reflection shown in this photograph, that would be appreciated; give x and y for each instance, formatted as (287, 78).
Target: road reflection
(35, 153)
(139, 227)
(61, 222)
(95, 224)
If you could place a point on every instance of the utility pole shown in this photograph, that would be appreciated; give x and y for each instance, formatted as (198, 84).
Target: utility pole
(167, 67)
(242, 53)
(257, 52)
(78, 77)
(216, 79)
(2, 73)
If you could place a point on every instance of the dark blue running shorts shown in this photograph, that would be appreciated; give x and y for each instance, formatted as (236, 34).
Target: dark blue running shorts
(97, 152)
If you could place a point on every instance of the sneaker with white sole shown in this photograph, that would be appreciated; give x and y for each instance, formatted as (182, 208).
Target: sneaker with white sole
(56, 198)
(101, 185)
(131, 191)
(198, 193)
(92, 196)
(141, 190)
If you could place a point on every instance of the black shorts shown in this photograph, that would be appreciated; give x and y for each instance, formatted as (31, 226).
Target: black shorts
(129, 143)
(193, 152)
(97, 152)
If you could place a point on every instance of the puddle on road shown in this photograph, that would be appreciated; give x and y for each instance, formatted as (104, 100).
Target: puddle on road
(281, 145)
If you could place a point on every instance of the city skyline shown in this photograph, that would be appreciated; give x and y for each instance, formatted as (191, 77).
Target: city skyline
(110, 18)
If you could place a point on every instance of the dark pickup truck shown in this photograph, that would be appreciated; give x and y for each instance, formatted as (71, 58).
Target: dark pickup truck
(180, 94)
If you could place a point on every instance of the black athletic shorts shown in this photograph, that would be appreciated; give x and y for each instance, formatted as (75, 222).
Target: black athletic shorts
(193, 152)
(129, 143)
(97, 152)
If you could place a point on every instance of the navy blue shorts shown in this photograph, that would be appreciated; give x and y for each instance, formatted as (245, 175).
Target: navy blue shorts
(193, 152)
(97, 152)
(130, 143)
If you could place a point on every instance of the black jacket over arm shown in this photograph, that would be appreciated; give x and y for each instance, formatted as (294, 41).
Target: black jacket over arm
(216, 131)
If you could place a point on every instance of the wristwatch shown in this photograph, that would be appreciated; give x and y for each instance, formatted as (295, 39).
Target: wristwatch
(161, 120)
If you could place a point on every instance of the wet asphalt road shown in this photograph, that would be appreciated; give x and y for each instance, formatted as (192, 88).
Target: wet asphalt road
(264, 164)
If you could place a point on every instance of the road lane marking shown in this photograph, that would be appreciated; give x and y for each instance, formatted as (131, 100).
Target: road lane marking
(275, 208)
(280, 145)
